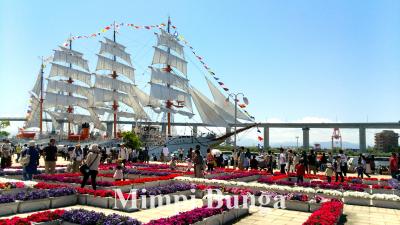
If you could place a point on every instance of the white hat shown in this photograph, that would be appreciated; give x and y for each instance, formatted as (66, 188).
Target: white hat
(94, 147)
(32, 144)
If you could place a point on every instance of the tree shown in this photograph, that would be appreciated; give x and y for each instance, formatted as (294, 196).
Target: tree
(4, 124)
(131, 140)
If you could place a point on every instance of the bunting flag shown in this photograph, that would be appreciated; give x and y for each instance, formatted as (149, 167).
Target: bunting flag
(260, 138)
(242, 105)
(107, 28)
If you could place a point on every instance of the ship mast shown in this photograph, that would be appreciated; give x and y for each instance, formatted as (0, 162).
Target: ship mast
(115, 104)
(168, 103)
(70, 81)
(41, 98)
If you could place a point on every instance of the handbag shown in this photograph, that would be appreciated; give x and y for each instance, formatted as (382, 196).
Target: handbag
(24, 161)
(85, 169)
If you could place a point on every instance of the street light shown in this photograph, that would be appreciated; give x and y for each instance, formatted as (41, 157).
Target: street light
(235, 98)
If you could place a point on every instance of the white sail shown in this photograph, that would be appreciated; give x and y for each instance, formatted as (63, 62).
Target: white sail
(166, 93)
(102, 111)
(59, 70)
(158, 76)
(163, 57)
(105, 63)
(38, 85)
(167, 40)
(96, 121)
(105, 95)
(206, 109)
(126, 114)
(106, 82)
(140, 114)
(144, 98)
(56, 86)
(54, 100)
(117, 45)
(70, 51)
(33, 120)
(115, 51)
(67, 57)
(220, 100)
(174, 111)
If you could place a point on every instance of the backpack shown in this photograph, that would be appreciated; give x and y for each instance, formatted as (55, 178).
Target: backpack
(24, 161)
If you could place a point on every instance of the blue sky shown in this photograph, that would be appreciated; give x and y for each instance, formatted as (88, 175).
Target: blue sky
(295, 60)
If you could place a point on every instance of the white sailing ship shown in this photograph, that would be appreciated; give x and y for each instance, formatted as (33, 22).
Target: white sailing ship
(75, 96)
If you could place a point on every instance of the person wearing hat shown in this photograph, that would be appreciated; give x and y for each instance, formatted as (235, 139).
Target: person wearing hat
(329, 172)
(50, 157)
(92, 161)
(32, 154)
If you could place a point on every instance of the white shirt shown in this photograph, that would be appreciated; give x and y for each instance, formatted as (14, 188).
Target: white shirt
(165, 151)
(123, 154)
(282, 158)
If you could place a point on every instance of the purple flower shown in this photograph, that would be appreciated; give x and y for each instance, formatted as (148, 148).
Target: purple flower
(7, 198)
(57, 192)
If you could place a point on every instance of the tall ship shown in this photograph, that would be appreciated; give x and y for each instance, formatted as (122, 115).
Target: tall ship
(79, 102)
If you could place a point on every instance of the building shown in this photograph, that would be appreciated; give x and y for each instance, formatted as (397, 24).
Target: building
(386, 141)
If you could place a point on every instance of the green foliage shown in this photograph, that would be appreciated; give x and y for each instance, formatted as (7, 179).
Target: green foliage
(131, 140)
(4, 134)
(4, 124)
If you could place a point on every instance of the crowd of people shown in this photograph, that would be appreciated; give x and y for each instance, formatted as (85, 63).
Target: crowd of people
(87, 160)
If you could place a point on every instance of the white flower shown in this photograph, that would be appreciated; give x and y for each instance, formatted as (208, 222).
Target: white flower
(385, 197)
(330, 192)
(356, 194)
(303, 190)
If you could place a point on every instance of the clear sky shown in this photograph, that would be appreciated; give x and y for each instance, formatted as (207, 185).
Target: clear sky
(295, 60)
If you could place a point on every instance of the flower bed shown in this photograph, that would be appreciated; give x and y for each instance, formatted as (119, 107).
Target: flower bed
(80, 216)
(204, 215)
(386, 201)
(328, 214)
(357, 198)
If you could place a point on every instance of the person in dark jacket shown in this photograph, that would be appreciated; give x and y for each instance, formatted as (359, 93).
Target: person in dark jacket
(50, 157)
(31, 167)
(254, 163)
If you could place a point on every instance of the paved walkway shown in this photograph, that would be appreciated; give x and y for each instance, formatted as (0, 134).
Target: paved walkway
(263, 216)
(371, 215)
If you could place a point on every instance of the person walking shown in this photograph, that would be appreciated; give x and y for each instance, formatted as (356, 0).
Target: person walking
(180, 151)
(123, 154)
(165, 153)
(30, 161)
(282, 160)
(343, 162)
(324, 161)
(254, 163)
(198, 164)
(290, 166)
(210, 161)
(50, 157)
(312, 162)
(146, 155)
(270, 162)
(18, 150)
(92, 162)
(338, 169)
(300, 171)
(372, 163)
(77, 158)
(5, 155)
(329, 172)
(393, 165)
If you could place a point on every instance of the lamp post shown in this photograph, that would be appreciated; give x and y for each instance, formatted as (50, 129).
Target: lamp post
(235, 98)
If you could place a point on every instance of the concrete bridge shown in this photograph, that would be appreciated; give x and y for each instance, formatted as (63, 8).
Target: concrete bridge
(266, 126)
